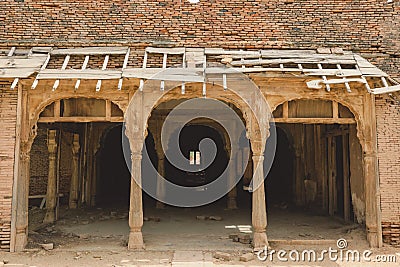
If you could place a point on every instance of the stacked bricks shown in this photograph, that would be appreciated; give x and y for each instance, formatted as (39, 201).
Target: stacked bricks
(8, 111)
(391, 233)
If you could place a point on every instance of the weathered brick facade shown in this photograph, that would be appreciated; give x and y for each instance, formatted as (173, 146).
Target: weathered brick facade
(8, 111)
(367, 27)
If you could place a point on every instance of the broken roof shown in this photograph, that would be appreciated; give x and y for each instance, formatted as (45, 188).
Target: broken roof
(322, 67)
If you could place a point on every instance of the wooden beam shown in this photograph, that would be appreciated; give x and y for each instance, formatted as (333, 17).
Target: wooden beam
(335, 109)
(84, 65)
(105, 63)
(64, 66)
(80, 119)
(285, 110)
(385, 90)
(86, 74)
(57, 109)
(170, 51)
(316, 120)
(91, 51)
(108, 109)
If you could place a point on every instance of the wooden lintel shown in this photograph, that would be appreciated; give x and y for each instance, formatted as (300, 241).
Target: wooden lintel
(80, 119)
(88, 74)
(316, 120)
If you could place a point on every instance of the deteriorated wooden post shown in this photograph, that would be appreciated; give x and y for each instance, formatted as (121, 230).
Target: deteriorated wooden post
(136, 207)
(21, 225)
(24, 138)
(73, 192)
(51, 197)
(372, 194)
(232, 195)
(259, 212)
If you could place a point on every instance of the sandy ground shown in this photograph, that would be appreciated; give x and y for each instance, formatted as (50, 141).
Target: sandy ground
(98, 237)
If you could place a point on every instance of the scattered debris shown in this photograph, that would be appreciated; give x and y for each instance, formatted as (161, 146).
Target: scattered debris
(83, 236)
(222, 256)
(215, 218)
(246, 257)
(48, 246)
(244, 238)
(212, 218)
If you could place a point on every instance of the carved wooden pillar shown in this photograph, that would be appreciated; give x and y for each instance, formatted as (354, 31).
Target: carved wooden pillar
(259, 212)
(25, 135)
(372, 192)
(73, 192)
(21, 225)
(51, 197)
(232, 195)
(299, 165)
(136, 206)
(160, 179)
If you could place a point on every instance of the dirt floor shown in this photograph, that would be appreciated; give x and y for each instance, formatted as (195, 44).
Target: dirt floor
(98, 237)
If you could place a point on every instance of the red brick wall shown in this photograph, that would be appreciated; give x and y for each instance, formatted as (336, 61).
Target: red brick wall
(8, 111)
(39, 166)
(388, 126)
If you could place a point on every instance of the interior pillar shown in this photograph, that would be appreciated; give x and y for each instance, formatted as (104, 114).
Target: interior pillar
(232, 195)
(73, 192)
(259, 212)
(160, 190)
(51, 197)
(24, 138)
(136, 206)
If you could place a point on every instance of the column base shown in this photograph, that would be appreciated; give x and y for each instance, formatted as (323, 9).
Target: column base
(260, 240)
(373, 238)
(50, 217)
(160, 205)
(135, 241)
(232, 205)
(73, 205)
(21, 240)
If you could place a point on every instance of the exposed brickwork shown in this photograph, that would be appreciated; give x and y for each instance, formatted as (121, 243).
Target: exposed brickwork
(39, 166)
(388, 126)
(368, 27)
(8, 111)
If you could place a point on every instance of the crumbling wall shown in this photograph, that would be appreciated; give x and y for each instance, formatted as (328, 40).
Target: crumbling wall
(388, 127)
(8, 111)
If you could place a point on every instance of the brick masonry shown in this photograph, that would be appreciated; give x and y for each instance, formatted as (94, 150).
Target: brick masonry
(370, 28)
(8, 111)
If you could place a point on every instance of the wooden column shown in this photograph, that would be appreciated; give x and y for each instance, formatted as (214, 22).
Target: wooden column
(299, 164)
(21, 224)
(156, 129)
(73, 192)
(51, 197)
(160, 190)
(372, 192)
(23, 142)
(232, 195)
(259, 212)
(346, 177)
(136, 206)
